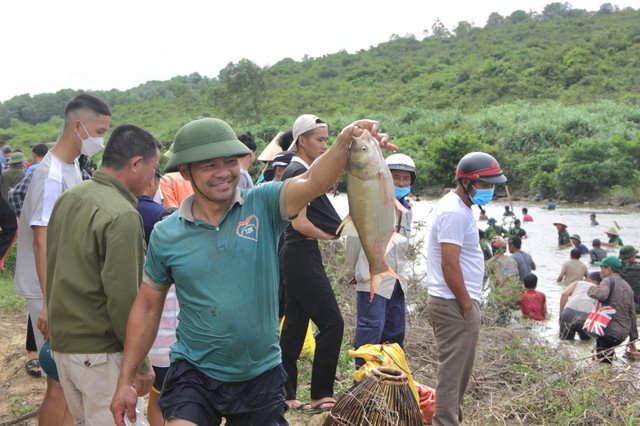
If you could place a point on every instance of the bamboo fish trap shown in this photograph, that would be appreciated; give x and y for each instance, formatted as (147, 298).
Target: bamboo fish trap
(381, 398)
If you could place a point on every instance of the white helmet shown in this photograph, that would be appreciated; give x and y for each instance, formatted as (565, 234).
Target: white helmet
(402, 162)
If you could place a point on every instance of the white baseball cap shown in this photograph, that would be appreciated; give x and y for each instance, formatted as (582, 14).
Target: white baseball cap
(304, 124)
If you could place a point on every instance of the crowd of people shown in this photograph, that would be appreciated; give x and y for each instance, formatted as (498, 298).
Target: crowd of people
(617, 283)
(173, 283)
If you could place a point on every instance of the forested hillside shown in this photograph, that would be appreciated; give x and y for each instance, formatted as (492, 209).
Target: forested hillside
(553, 95)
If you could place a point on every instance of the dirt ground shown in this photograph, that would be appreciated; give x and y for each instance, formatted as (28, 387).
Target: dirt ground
(21, 394)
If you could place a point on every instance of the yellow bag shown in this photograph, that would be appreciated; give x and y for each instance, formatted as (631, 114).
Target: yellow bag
(309, 346)
(383, 355)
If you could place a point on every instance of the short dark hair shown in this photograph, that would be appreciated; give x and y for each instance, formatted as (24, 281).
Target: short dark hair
(575, 253)
(247, 140)
(517, 222)
(525, 210)
(40, 149)
(596, 242)
(515, 241)
(87, 102)
(530, 281)
(127, 141)
(285, 140)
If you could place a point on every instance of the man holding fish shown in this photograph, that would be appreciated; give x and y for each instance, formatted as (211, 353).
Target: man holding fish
(227, 361)
(455, 268)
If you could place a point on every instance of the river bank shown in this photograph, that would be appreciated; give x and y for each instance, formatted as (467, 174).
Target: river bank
(523, 374)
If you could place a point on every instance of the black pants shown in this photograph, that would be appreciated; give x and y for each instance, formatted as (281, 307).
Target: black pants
(189, 394)
(604, 348)
(9, 225)
(309, 297)
(30, 343)
(571, 322)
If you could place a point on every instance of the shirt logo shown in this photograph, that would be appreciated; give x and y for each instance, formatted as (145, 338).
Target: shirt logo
(248, 228)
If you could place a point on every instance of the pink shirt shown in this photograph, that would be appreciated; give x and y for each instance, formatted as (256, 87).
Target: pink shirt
(166, 337)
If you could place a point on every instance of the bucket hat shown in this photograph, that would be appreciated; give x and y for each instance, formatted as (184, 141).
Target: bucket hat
(627, 251)
(612, 231)
(610, 262)
(47, 363)
(576, 237)
(16, 157)
(560, 222)
(204, 139)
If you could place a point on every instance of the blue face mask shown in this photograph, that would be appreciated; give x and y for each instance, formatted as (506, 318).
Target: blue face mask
(403, 192)
(482, 196)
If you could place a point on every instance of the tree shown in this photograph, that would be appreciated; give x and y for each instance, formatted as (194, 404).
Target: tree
(242, 92)
(439, 30)
(607, 8)
(495, 19)
(518, 16)
(463, 28)
(556, 10)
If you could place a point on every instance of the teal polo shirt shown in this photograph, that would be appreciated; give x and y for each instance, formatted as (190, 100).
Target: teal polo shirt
(226, 279)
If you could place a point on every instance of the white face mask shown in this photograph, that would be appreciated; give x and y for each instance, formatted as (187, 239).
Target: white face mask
(91, 145)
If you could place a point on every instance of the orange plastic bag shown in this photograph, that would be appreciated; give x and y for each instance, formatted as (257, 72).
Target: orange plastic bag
(427, 402)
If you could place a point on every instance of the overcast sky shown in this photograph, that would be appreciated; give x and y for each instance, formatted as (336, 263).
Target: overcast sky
(52, 45)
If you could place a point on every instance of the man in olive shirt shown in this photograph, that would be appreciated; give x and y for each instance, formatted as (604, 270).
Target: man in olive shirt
(95, 254)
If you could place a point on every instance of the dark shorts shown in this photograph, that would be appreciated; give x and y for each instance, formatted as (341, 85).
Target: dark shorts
(161, 373)
(190, 395)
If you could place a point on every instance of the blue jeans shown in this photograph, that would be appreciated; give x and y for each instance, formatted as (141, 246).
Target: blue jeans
(379, 320)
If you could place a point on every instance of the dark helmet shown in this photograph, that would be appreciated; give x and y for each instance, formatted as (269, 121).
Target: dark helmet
(480, 166)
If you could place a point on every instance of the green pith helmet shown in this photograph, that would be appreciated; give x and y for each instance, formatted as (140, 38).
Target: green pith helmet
(204, 139)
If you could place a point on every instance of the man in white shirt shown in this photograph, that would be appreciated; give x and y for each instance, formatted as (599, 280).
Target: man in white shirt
(455, 270)
(87, 119)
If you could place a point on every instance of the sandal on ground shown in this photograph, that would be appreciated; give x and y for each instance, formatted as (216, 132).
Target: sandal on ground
(33, 367)
(298, 406)
(321, 407)
(303, 406)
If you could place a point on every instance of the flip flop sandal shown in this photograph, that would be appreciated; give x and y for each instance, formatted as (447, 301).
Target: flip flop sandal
(33, 367)
(321, 407)
(303, 406)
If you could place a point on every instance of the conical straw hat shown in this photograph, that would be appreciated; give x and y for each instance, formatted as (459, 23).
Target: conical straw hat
(271, 150)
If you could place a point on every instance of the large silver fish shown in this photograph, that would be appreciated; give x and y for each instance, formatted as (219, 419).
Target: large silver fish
(372, 206)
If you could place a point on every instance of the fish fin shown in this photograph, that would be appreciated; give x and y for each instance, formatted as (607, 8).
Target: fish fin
(400, 207)
(395, 240)
(376, 278)
(347, 228)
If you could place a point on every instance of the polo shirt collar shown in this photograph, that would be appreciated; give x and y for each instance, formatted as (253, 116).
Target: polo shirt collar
(185, 211)
(105, 179)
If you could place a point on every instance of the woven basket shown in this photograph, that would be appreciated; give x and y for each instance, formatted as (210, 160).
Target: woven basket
(381, 398)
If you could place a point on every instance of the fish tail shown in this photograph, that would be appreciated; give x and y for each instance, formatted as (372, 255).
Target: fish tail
(376, 278)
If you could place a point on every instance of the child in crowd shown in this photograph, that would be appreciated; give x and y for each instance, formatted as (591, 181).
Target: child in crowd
(573, 269)
(526, 217)
(533, 304)
(596, 253)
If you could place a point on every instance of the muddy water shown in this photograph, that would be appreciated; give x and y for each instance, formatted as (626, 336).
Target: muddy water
(541, 244)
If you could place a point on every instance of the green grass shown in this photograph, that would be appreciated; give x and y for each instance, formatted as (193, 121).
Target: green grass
(10, 301)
